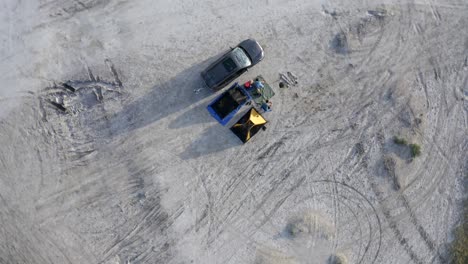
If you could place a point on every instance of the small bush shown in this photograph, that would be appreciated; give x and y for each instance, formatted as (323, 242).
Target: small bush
(400, 141)
(460, 245)
(293, 230)
(415, 150)
(459, 248)
(309, 224)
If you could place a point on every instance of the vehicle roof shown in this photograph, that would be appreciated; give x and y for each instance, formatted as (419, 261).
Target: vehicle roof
(218, 72)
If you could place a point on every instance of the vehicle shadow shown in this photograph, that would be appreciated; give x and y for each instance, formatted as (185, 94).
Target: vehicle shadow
(193, 116)
(213, 139)
(161, 101)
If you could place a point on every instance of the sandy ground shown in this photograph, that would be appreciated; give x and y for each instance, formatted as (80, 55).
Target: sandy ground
(136, 171)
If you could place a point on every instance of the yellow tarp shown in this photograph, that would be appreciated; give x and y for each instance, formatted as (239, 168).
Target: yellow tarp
(256, 118)
(248, 125)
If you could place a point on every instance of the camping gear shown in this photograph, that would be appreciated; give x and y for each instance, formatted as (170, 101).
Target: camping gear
(248, 125)
(289, 80)
(261, 94)
(285, 79)
(292, 77)
(225, 106)
(266, 107)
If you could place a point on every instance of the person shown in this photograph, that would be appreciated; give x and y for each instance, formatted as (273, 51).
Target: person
(266, 106)
(258, 84)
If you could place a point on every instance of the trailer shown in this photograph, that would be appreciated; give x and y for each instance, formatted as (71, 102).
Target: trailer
(225, 106)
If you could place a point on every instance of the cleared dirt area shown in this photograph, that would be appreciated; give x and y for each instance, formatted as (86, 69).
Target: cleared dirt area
(109, 156)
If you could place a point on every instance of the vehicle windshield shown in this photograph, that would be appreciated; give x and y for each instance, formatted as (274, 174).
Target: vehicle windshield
(236, 59)
(241, 58)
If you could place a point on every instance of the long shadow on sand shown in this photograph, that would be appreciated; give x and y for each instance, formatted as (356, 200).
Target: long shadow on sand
(214, 139)
(170, 97)
(161, 101)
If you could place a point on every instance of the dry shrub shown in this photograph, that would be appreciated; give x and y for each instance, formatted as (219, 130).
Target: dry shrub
(459, 248)
(337, 259)
(310, 224)
(415, 150)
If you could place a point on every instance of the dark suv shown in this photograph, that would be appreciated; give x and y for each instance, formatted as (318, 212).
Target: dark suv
(232, 64)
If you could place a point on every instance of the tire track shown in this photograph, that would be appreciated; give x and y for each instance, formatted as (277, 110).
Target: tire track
(422, 232)
(379, 225)
(430, 244)
(435, 12)
(424, 85)
(393, 225)
(363, 246)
